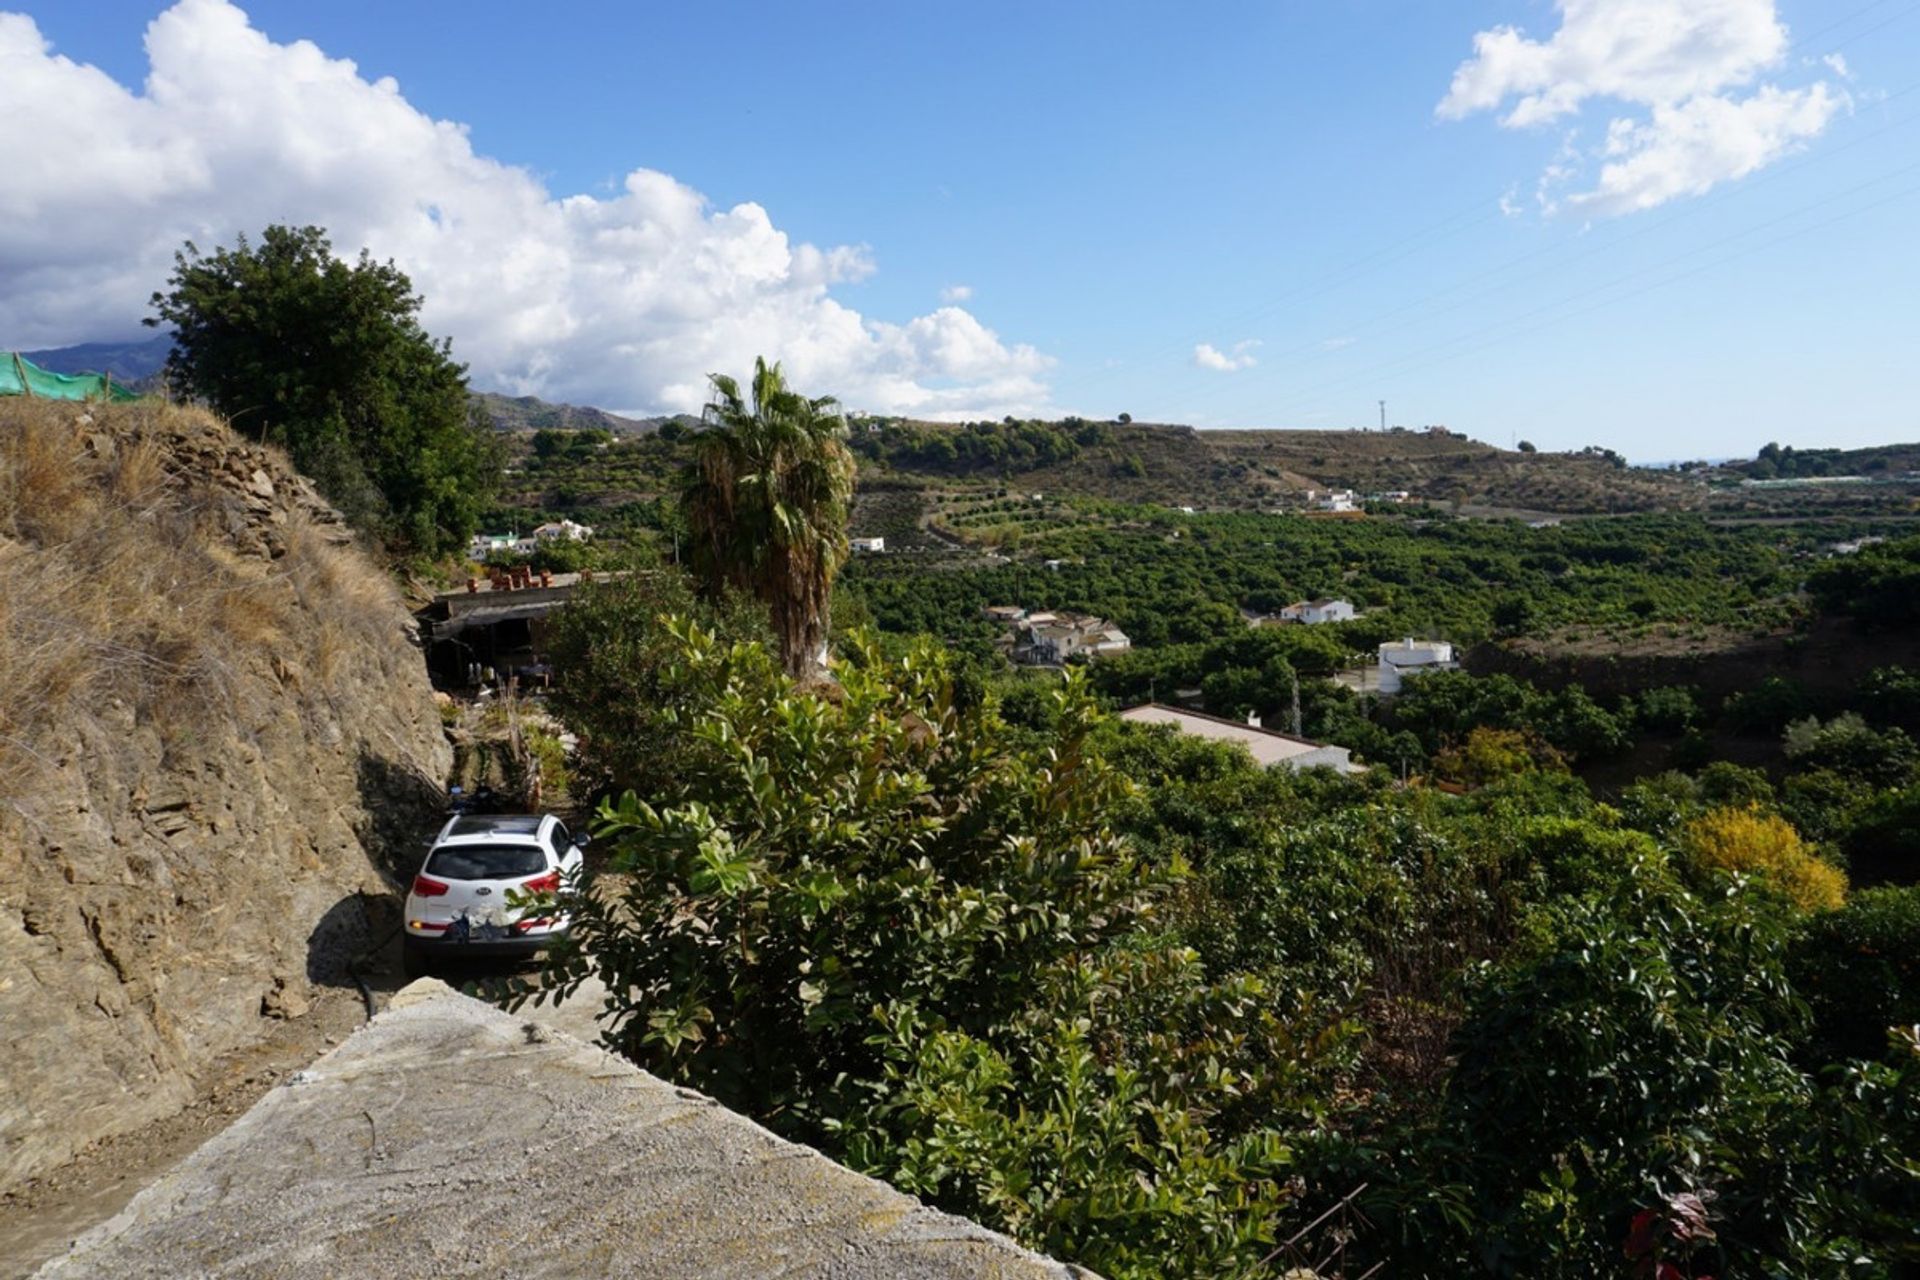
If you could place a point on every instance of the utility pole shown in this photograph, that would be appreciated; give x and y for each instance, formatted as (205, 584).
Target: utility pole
(1383, 415)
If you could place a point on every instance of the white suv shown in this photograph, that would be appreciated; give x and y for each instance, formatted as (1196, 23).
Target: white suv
(458, 904)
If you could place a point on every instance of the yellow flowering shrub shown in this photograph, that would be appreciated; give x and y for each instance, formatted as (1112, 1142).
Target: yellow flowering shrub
(1754, 842)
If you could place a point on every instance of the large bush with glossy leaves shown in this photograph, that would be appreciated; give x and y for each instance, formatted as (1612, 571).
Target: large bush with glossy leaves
(877, 918)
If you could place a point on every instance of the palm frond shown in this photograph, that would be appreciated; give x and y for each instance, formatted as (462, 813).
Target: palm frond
(766, 498)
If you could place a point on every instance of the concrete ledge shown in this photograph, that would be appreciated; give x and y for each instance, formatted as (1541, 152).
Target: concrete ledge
(447, 1138)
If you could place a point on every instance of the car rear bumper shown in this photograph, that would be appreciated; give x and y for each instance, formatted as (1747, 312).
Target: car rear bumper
(441, 947)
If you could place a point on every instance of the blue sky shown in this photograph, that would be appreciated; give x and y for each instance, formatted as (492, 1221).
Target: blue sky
(1230, 215)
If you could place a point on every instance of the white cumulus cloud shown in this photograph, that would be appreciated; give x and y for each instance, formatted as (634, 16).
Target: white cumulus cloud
(1687, 148)
(1684, 69)
(956, 293)
(625, 300)
(1208, 356)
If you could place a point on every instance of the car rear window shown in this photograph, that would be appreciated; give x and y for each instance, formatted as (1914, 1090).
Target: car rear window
(490, 824)
(487, 861)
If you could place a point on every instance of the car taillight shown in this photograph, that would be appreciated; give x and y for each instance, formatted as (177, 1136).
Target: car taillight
(428, 887)
(548, 883)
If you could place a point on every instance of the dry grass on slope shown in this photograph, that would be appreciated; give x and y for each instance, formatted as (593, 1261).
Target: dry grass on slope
(149, 560)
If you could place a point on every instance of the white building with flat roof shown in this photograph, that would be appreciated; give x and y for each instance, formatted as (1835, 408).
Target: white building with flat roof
(1333, 499)
(1267, 746)
(1400, 659)
(490, 544)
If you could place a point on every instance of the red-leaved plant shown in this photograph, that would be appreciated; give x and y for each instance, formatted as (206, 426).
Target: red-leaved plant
(1660, 1241)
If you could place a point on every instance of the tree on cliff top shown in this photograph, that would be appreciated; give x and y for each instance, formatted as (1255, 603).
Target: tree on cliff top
(766, 500)
(327, 359)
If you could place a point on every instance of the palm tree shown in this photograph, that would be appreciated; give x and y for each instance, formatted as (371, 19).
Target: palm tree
(766, 499)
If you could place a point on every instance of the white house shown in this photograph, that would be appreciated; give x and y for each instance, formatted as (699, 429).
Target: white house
(489, 544)
(1402, 659)
(1267, 747)
(867, 546)
(1333, 500)
(1047, 639)
(1317, 611)
(557, 530)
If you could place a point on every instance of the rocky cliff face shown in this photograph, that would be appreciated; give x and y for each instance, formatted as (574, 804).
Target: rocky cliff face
(215, 734)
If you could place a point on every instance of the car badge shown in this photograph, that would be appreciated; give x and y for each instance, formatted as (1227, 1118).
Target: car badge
(483, 892)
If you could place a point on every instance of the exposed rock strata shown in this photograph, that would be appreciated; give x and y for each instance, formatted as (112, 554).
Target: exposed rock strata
(199, 790)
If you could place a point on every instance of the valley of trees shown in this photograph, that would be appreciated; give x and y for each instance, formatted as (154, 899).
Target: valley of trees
(1148, 1007)
(1585, 996)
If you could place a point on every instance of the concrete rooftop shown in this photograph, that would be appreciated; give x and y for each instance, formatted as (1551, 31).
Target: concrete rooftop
(448, 1138)
(1268, 746)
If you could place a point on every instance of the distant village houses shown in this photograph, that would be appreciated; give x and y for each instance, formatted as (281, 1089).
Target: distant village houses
(1268, 747)
(487, 545)
(1053, 639)
(867, 546)
(563, 530)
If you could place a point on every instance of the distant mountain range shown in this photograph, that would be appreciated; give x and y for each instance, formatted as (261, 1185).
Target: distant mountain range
(126, 361)
(141, 361)
(529, 413)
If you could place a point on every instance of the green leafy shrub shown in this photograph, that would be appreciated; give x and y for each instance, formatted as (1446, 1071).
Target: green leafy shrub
(1849, 746)
(1669, 709)
(1768, 707)
(1859, 971)
(328, 359)
(1884, 843)
(1642, 1045)
(1879, 585)
(616, 679)
(880, 920)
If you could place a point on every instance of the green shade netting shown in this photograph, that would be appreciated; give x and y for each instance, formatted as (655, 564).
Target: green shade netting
(22, 377)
